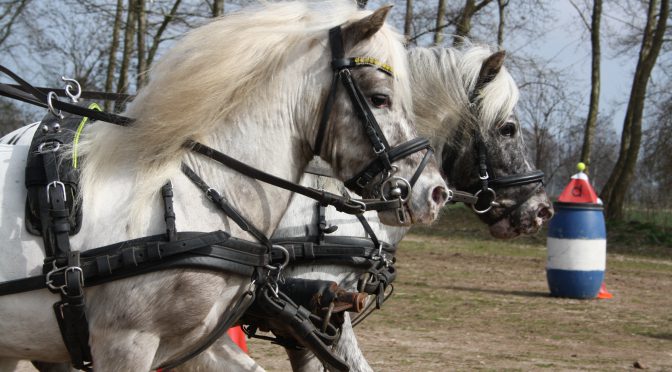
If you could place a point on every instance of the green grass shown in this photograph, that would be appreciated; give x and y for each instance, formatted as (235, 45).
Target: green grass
(629, 238)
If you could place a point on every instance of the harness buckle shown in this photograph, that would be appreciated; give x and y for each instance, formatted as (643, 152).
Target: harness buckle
(48, 279)
(485, 177)
(48, 146)
(54, 184)
(66, 269)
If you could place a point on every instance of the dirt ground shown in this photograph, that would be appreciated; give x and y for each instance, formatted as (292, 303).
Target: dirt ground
(467, 304)
(461, 304)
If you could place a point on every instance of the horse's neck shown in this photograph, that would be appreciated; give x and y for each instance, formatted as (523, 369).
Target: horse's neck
(302, 216)
(123, 205)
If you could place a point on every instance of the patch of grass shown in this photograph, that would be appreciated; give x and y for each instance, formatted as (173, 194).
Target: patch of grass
(635, 238)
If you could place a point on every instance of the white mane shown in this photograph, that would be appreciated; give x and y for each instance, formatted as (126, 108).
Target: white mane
(457, 71)
(247, 67)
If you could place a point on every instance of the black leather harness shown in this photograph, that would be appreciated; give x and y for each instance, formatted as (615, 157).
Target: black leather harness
(54, 213)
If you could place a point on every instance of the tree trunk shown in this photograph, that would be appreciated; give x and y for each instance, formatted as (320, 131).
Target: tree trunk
(408, 19)
(141, 16)
(593, 108)
(156, 40)
(463, 26)
(501, 5)
(440, 22)
(112, 61)
(122, 86)
(217, 8)
(617, 186)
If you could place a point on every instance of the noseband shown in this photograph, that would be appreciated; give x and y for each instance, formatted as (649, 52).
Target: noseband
(486, 186)
(390, 187)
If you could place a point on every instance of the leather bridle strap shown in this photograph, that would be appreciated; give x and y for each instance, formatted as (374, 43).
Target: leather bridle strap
(360, 180)
(225, 207)
(342, 204)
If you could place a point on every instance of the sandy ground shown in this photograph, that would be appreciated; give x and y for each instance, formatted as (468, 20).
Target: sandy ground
(477, 305)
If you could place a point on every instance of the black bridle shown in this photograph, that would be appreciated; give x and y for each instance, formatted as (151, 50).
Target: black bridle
(390, 187)
(484, 194)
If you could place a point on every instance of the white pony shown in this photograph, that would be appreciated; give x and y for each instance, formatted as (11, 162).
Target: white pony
(252, 85)
(443, 80)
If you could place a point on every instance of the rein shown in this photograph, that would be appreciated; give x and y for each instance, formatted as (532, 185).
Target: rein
(66, 271)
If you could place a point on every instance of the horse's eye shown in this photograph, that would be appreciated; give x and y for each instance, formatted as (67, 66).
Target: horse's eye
(380, 100)
(508, 130)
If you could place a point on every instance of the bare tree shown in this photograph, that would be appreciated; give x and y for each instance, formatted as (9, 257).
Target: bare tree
(593, 106)
(129, 33)
(9, 14)
(463, 27)
(114, 46)
(217, 8)
(408, 19)
(440, 22)
(141, 17)
(501, 6)
(617, 186)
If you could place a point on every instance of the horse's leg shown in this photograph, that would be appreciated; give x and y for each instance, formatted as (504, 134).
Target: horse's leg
(8, 365)
(132, 350)
(224, 355)
(346, 348)
(304, 361)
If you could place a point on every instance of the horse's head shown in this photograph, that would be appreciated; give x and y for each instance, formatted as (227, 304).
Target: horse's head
(479, 140)
(367, 136)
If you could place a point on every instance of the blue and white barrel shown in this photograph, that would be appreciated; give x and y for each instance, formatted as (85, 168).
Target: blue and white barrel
(577, 250)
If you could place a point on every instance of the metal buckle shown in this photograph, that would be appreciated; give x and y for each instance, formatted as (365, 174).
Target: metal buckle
(361, 204)
(49, 274)
(484, 177)
(49, 146)
(66, 270)
(54, 184)
(73, 269)
(378, 152)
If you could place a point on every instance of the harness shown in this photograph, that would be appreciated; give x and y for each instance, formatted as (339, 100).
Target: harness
(481, 195)
(53, 212)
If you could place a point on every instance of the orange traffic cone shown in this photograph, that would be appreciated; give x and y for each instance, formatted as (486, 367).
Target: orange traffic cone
(603, 294)
(238, 336)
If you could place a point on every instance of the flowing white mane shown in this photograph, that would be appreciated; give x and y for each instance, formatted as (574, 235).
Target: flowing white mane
(260, 66)
(234, 64)
(457, 70)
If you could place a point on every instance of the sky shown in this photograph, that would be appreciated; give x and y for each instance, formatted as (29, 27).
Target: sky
(568, 43)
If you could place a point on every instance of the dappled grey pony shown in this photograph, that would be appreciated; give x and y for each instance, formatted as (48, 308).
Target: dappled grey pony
(464, 101)
(250, 85)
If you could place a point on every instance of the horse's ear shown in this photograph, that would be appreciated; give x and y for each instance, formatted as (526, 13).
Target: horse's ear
(490, 68)
(365, 27)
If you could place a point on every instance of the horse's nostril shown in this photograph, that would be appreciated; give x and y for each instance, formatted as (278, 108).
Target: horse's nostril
(439, 195)
(544, 213)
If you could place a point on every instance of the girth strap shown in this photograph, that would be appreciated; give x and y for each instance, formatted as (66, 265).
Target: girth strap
(139, 256)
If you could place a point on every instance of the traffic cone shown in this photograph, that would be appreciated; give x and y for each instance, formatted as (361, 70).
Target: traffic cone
(238, 336)
(603, 294)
